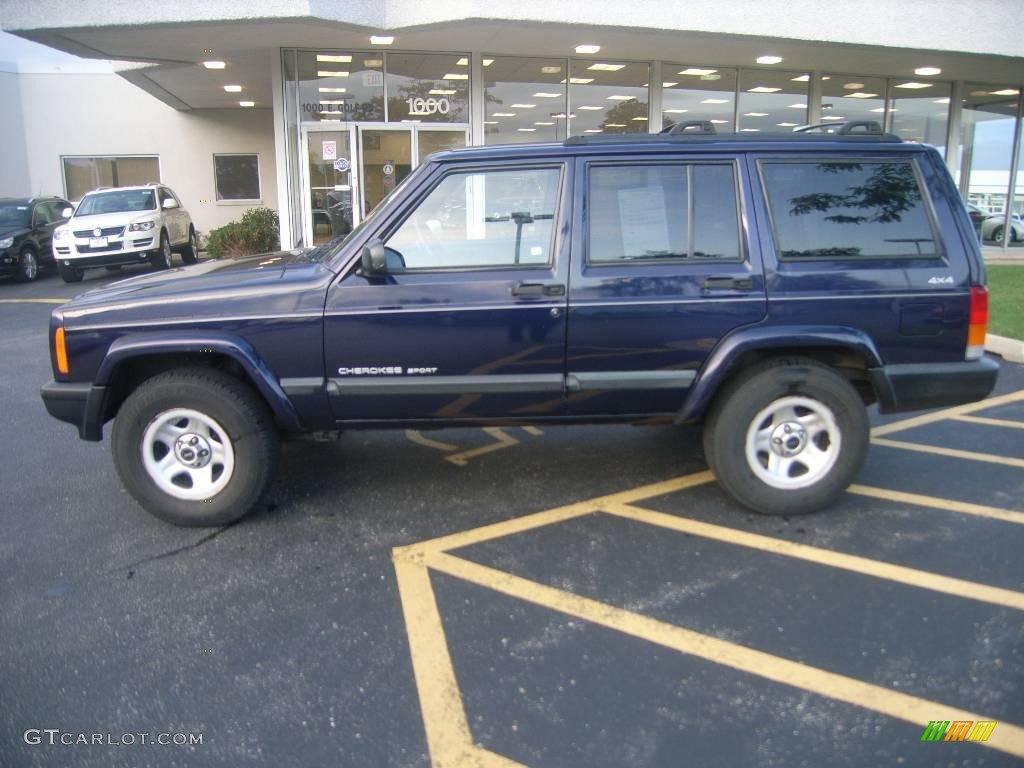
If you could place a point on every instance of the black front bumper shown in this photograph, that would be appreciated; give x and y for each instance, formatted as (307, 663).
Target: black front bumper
(78, 404)
(918, 386)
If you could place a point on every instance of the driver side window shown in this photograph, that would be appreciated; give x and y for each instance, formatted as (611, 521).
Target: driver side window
(488, 219)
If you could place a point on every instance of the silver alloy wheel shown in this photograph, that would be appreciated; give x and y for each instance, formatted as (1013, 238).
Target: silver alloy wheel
(187, 454)
(793, 443)
(29, 265)
(165, 250)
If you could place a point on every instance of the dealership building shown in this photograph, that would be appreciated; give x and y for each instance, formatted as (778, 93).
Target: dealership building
(318, 109)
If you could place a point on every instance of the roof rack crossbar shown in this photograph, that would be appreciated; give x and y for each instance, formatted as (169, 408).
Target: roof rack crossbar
(691, 128)
(849, 128)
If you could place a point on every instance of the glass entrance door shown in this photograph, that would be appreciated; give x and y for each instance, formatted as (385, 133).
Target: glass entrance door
(330, 184)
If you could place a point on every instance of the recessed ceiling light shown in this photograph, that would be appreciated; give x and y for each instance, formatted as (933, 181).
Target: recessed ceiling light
(1006, 92)
(550, 70)
(232, 88)
(487, 62)
(542, 123)
(755, 114)
(944, 100)
(719, 122)
(331, 73)
(593, 130)
(763, 89)
(769, 59)
(579, 80)
(247, 103)
(749, 130)
(675, 111)
(800, 79)
(860, 95)
(463, 62)
(442, 92)
(617, 97)
(669, 85)
(519, 106)
(456, 76)
(715, 101)
(504, 114)
(333, 59)
(912, 85)
(639, 119)
(588, 48)
(927, 71)
(590, 108)
(853, 86)
(332, 101)
(214, 64)
(491, 122)
(601, 67)
(381, 39)
(697, 71)
(832, 117)
(331, 90)
(546, 95)
(526, 130)
(614, 125)
(787, 125)
(798, 106)
(374, 63)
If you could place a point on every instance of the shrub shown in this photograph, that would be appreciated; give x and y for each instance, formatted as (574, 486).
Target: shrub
(257, 232)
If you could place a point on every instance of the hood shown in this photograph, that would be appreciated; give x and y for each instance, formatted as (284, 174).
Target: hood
(217, 289)
(121, 219)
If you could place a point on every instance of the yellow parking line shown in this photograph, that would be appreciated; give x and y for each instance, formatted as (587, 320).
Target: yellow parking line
(990, 422)
(1006, 737)
(949, 505)
(947, 413)
(503, 441)
(34, 301)
(420, 439)
(863, 565)
(532, 431)
(955, 453)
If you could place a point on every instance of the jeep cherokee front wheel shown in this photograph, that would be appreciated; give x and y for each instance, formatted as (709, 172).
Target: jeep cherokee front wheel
(195, 447)
(787, 436)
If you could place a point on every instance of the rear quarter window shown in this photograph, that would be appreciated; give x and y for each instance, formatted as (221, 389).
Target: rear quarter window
(845, 209)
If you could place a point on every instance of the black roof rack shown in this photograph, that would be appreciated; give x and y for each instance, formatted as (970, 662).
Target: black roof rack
(700, 131)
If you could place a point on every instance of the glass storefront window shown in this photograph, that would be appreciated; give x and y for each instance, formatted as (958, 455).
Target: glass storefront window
(920, 114)
(524, 100)
(340, 86)
(852, 97)
(772, 101)
(428, 87)
(698, 93)
(607, 97)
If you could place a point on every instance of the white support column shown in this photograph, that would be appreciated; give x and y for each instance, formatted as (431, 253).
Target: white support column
(281, 169)
(476, 99)
(814, 98)
(956, 98)
(654, 99)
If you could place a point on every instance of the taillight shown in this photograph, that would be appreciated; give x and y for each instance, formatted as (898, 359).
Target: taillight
(60, 350)
(978, 324)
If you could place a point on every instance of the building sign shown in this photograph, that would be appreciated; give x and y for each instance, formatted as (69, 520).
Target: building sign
(431, 106)
(330, 150)
(389, 169)
(342, 165)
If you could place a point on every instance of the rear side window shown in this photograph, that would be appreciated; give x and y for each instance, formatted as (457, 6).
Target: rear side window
(848, 210)
(670, 212)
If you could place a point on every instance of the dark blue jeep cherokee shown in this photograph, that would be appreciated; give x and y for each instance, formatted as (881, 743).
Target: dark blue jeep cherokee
(771, 287)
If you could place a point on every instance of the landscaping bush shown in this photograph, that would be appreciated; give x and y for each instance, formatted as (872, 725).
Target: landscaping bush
(258, 232)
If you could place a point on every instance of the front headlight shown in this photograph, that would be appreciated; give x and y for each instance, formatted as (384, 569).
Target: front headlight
(6, 242)
(141, 226)
(61, 234)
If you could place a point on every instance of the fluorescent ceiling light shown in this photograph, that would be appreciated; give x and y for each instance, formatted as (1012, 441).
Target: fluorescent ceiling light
(591, 109)
(860, 95)
(546, 95)
(620, 98)
(755, 114)
(715, 101)
(331, 73)
(333, 59)
(232, 88)
(579, 80)
(1006, 92)
(927, 71)
(214, 64)
(332, 101)
(944, 100)
(832, 117)
(487, 62)
(382, 40)
(550, 70)
(697, 71)
(247, 103)
(800, 78)
(787, 125)
(373, 63)
(674, 111)
(853, 86)
(719, 122)
(769, 59)
(614, 125)
(526, 130)
(463, 62)
(523, 106)
(491, 122)
(593, 130)
(669, 85)
(601, 67)
(542, 123)
(504, 114)
(639, 119)
(456, 76)
(588, 48)
(749, 130)
(882, 109)
(443, 92)
(798, 106)
(763, 89)
(331, 90)
(912, 85)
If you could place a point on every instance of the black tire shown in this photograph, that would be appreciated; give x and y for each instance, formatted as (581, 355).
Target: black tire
(70, 274)
(161, 258)
(190, 253)
(997, 235)
(737, 411)
(28, 266)
(232, 404)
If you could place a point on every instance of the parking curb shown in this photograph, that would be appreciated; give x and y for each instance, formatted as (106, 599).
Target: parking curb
(1008, 349)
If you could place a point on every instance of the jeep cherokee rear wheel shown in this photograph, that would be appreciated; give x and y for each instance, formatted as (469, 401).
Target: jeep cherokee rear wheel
(787, 436)
(195, 447)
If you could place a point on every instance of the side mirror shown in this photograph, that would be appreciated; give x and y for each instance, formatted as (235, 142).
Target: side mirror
(67, 212)
(374, 258)
(170, 203)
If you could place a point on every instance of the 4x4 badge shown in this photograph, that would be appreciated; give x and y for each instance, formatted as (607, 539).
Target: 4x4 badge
(948, 280)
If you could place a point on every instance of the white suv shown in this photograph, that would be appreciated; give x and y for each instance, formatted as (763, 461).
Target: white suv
(126, 225)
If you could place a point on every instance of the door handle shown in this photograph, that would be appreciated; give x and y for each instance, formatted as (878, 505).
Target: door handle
(538, 289)
(727, 284)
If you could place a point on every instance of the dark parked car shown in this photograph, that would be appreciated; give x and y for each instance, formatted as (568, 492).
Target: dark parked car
(771, 287)
(26, 234)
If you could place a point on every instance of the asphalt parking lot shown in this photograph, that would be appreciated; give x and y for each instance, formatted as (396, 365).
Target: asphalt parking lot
(580, 596)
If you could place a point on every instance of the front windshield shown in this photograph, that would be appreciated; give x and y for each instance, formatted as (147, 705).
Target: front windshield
(118, 201)
(14, 215)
